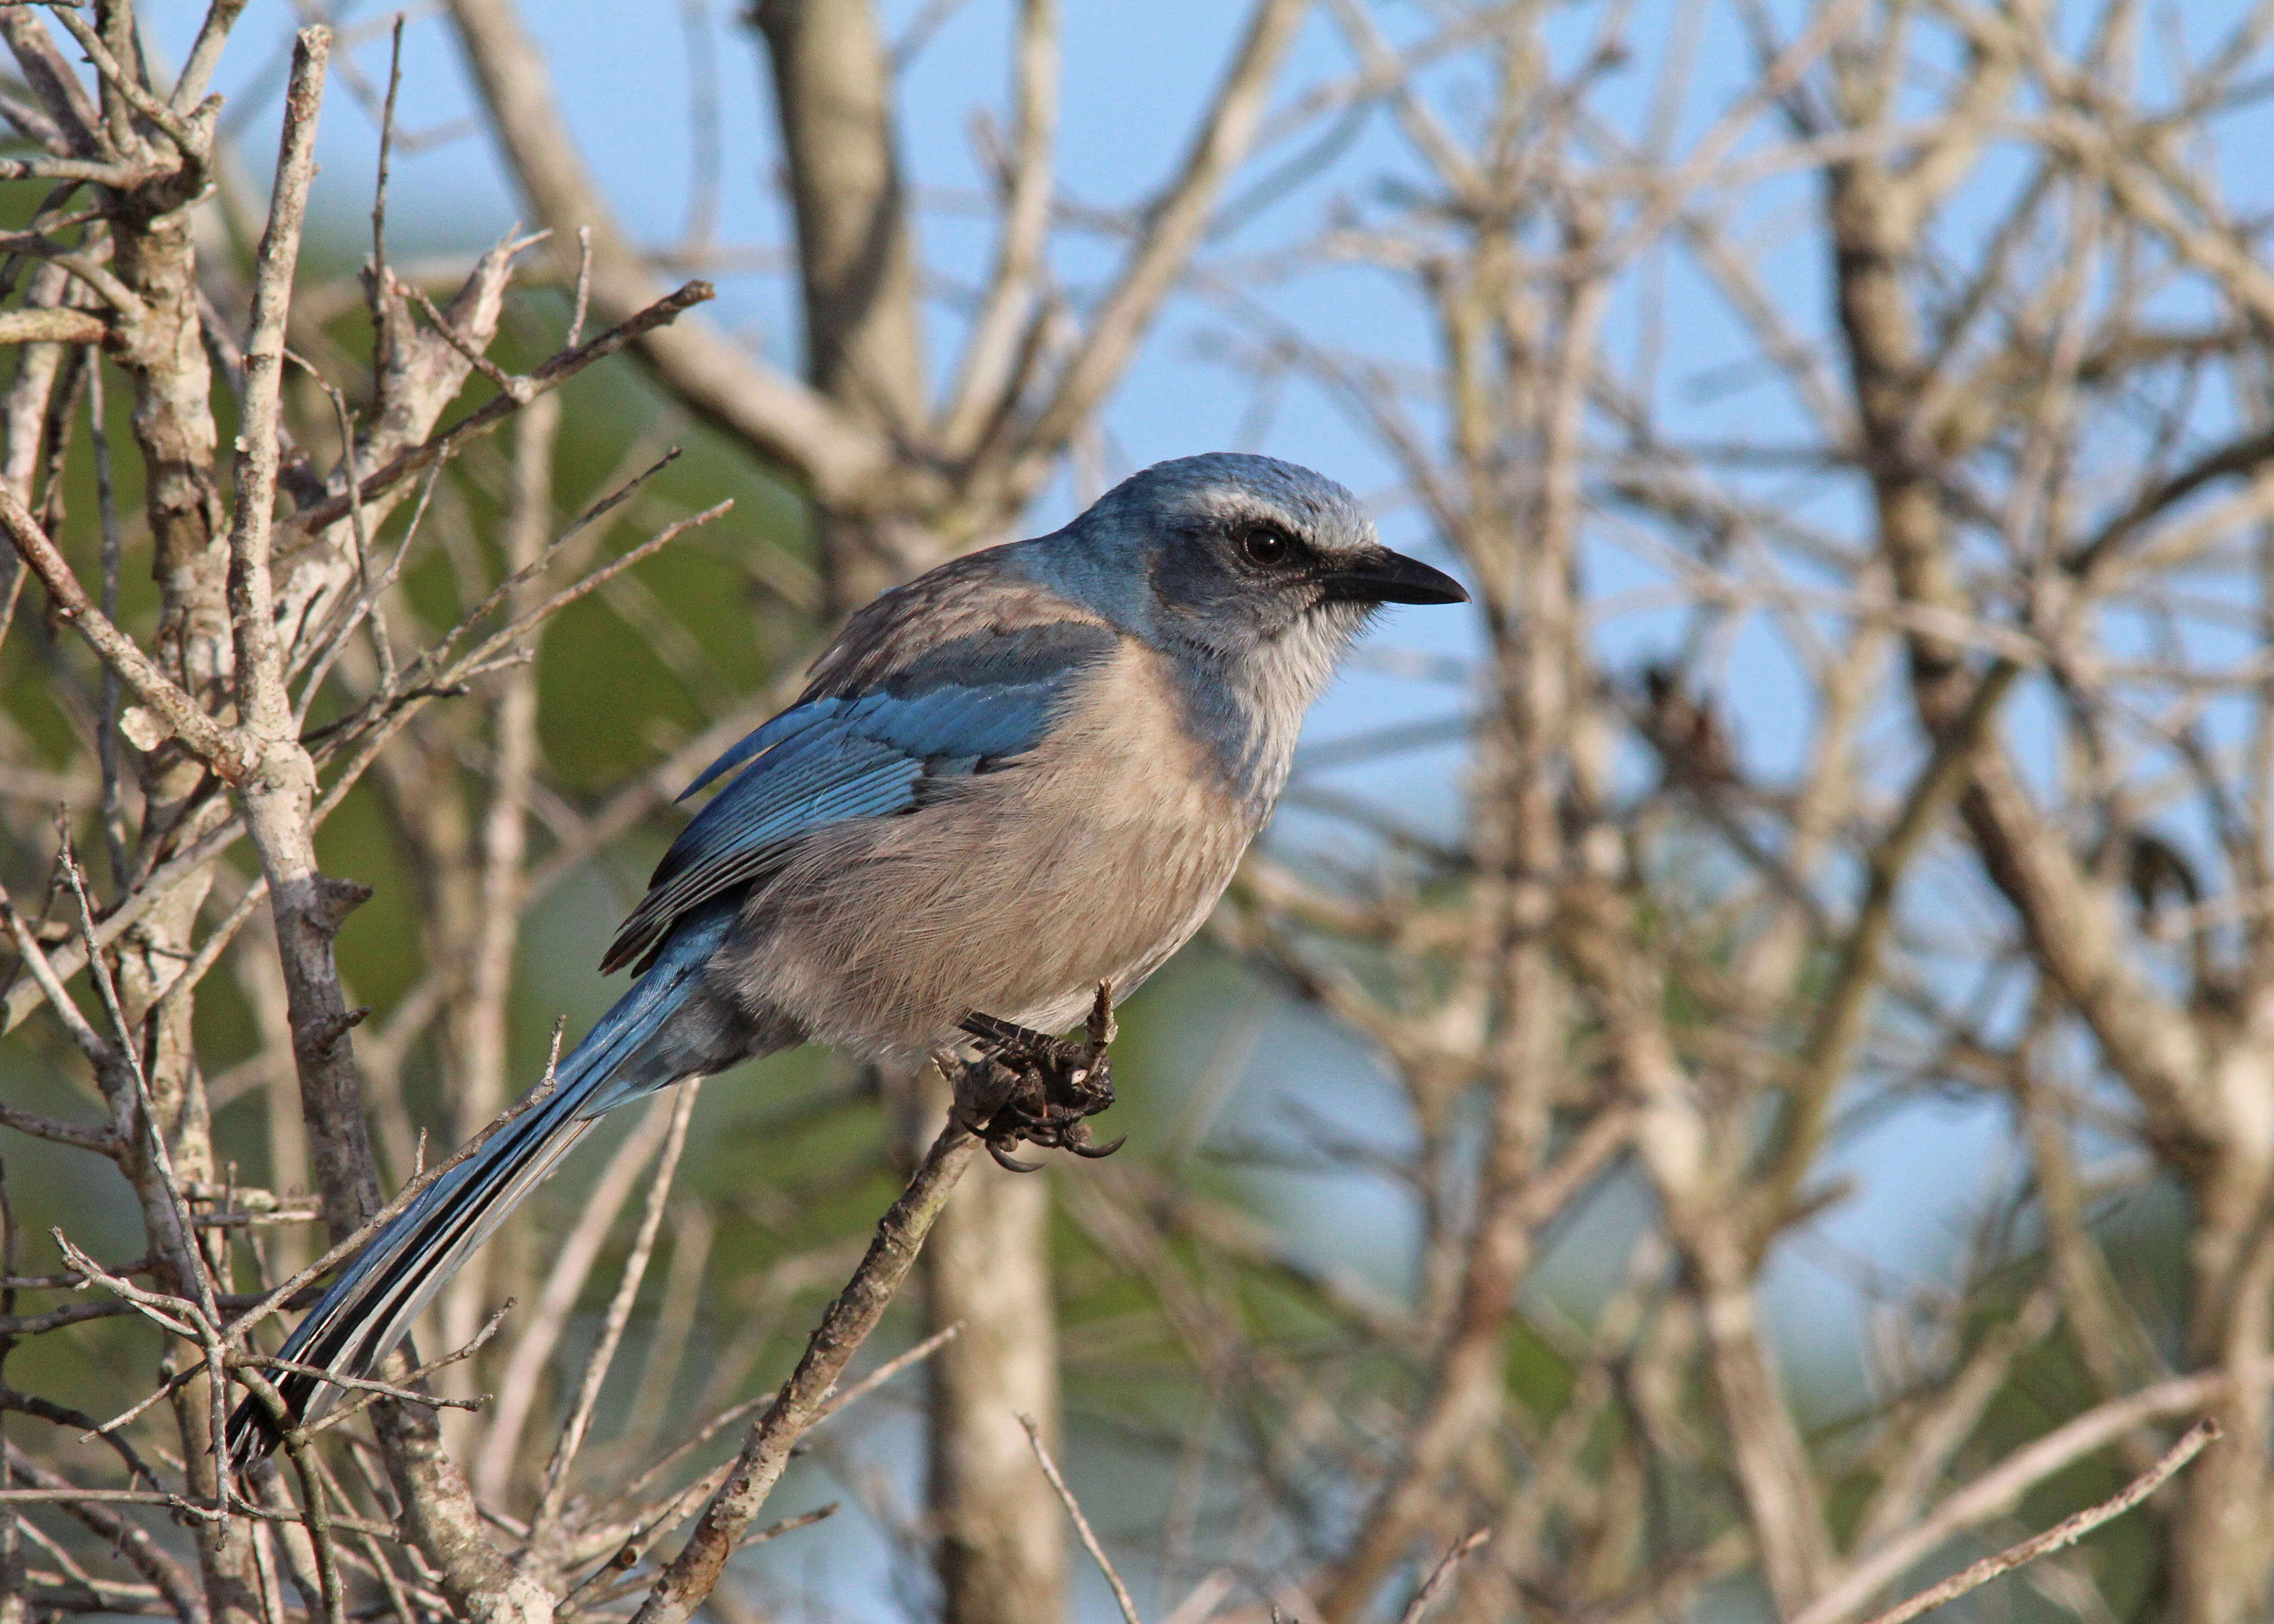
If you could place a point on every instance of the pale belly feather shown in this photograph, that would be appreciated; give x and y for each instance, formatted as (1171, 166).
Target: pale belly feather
(1093, 858)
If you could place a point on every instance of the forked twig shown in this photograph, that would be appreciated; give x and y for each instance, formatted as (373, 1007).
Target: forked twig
(554, 372)
(370, 1392)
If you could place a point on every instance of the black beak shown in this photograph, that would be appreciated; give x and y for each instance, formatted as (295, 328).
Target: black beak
(1388, 577)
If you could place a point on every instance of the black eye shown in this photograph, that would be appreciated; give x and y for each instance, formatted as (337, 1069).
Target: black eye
(1266, 545)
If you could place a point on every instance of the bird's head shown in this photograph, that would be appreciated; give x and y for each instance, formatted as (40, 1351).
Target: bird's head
(1230, 554)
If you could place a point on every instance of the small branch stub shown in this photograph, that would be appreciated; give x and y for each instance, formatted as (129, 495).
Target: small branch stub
(57, 326)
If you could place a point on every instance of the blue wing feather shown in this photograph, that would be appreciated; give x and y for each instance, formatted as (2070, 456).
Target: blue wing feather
(839, 756)
(788, 724)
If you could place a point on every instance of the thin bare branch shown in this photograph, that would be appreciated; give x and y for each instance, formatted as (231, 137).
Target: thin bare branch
(2063, 1534)
(1998, 1491)
(1441, 1575)
(1121, 1597)
(221, 747)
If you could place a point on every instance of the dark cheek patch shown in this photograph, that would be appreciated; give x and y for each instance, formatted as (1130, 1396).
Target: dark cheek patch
(1188, 581)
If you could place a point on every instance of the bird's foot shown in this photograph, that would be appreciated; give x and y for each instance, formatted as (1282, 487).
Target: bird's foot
(1028, 1087)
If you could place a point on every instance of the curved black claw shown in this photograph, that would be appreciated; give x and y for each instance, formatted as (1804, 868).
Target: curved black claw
(1098, 1153)
(1009, 1163)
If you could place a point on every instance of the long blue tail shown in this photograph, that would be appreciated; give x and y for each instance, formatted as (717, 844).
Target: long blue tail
(368, 1309)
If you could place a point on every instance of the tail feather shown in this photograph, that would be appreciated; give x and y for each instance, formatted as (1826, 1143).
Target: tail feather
(372, 1303)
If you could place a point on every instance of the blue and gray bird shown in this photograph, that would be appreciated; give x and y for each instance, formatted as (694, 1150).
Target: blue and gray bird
(1026, 774)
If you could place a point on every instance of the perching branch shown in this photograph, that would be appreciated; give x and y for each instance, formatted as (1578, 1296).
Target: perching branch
(684, 1585)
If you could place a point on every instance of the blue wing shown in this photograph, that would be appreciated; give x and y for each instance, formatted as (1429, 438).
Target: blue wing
(961, 706)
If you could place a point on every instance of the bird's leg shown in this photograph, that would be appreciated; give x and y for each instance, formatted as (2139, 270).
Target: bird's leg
(1047, 1085)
